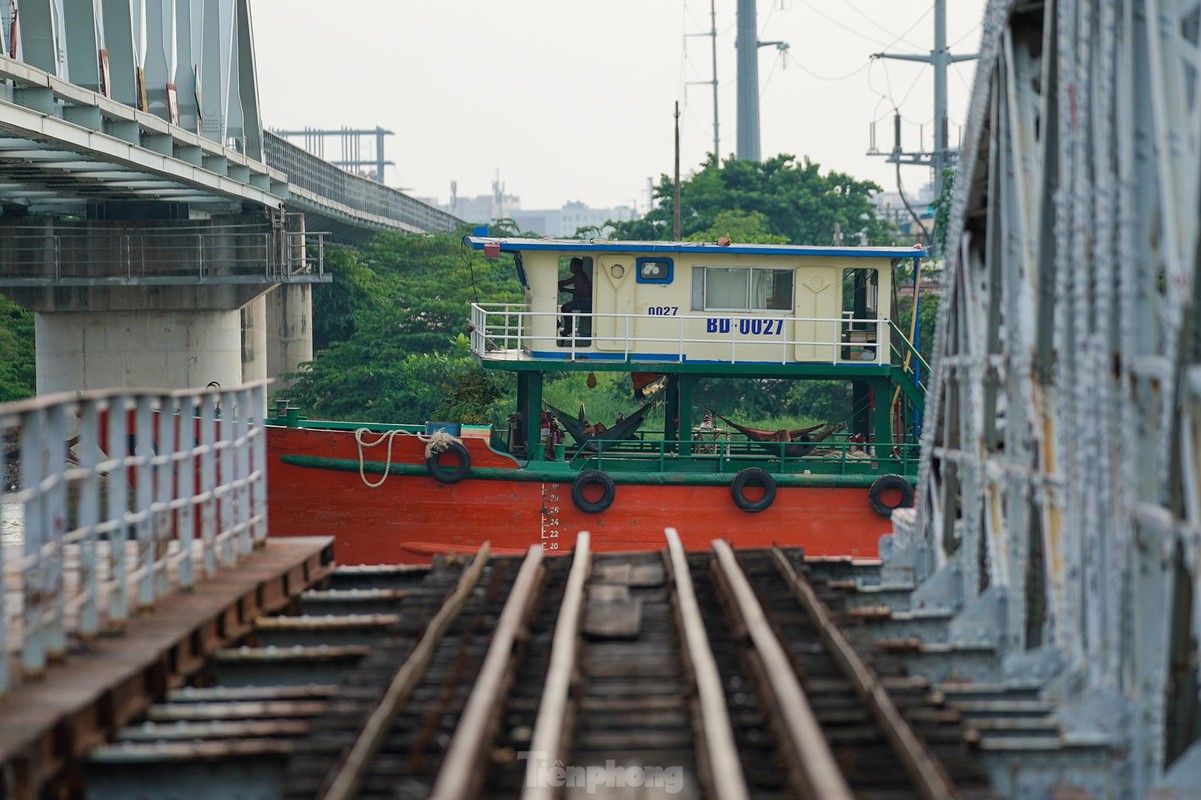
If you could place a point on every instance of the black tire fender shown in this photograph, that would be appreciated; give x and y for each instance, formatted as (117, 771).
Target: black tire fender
(875, 495)
(753, 476)
(588, 478)
(450, 465)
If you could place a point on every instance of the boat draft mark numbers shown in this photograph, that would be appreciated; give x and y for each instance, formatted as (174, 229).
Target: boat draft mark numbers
(552, 495)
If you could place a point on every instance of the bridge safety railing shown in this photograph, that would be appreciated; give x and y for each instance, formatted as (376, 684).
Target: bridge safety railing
(501, 331)
(66, 254)
(114, 499)
(356, 193)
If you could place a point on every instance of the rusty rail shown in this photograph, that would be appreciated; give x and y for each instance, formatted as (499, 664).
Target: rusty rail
(552, 710)
(720, 753)
(927, 774)
(459, 773)
(347, 780)
(815, 765)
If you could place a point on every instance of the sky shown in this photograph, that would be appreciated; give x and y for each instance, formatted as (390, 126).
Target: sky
(573, 99)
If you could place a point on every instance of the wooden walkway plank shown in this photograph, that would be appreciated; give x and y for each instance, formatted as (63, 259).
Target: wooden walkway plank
(106, 682)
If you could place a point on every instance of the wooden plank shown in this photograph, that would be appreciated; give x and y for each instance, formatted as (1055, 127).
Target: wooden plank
(81, 702)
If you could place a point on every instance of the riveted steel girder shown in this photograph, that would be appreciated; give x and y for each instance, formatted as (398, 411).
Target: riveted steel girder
(1061, 462)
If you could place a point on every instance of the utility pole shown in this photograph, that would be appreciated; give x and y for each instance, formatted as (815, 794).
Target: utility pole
(675, 217)
(712, 34)
(940, 158)
(748, 80)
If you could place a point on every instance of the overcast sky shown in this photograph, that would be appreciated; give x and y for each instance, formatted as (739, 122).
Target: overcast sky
(572, 99)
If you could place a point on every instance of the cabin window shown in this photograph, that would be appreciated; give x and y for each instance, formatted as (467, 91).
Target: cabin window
(654, 270)
(741, 289)
(860, 294)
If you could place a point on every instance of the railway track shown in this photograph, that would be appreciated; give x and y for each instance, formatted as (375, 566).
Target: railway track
(715, 674)
(655, 674)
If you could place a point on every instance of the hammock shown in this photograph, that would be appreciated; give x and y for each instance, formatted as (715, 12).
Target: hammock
(589, 435)
(801, 442)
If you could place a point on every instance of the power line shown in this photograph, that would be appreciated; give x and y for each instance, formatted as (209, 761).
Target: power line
(900, 38)
(835, 79)
(846, 28)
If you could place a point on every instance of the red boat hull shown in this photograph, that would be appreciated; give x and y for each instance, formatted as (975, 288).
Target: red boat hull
(410, 518)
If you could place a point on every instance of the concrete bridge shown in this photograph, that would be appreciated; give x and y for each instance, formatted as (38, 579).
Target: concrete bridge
(160, 236)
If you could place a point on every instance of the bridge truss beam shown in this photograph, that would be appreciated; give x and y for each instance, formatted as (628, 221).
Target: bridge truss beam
(1059, 507)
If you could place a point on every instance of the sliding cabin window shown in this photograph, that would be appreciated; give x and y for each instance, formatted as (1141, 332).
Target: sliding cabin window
(741, 289)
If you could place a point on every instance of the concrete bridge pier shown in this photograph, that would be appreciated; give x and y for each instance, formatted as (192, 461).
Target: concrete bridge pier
(180, 348)
(167, 304)
(289, 330)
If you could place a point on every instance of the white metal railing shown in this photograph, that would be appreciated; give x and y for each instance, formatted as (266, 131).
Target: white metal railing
(70, 253)
(504, 331)
(124, 497)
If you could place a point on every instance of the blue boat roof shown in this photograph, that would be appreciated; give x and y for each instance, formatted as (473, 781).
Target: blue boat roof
(515, 245)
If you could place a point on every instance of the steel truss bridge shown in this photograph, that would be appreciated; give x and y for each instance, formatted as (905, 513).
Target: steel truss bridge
(91, 113)
(1059, 506)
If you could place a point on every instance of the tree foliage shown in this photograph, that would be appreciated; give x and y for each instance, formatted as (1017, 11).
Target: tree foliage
(396, 348)
(18, 372)
(942, 210)
(793, 200)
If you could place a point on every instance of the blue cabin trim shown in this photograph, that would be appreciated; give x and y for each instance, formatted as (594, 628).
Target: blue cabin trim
(577, 246)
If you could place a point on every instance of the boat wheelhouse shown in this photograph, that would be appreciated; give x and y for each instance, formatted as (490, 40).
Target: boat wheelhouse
(691, 311)
(672, 316)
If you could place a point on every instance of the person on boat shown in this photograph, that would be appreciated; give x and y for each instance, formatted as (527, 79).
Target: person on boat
(580, 286)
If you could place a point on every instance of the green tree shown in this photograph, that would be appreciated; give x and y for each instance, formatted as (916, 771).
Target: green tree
(18, 372)
(398, 350)
(942, 210)
(796, 201)
(747, 227)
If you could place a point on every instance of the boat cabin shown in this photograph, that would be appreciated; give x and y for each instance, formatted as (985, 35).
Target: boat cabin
(691, 311)
(691, 302)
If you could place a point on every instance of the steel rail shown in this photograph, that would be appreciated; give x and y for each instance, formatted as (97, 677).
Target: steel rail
(552, 708)
(927, 773)
(810, 753)
(461, 771)
(348, 779)
(717, 735)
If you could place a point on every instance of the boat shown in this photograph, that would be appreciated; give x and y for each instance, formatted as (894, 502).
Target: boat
(669, 314)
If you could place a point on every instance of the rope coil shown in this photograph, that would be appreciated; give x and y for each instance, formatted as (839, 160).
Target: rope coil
(435, 443)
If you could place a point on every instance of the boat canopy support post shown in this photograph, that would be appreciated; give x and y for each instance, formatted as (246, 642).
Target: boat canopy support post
(684, 412)
(881, 392)
(861, 403)
(529, 403)
(671, 419)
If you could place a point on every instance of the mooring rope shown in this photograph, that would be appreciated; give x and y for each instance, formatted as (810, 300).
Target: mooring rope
(435, 443)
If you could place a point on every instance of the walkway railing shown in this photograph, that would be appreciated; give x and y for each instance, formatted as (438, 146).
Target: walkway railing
(502, 332)
(338, 191)
(86, 254)
(121, 498)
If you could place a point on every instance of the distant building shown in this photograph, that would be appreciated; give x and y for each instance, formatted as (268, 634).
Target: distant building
(557, 223)
(891, 207)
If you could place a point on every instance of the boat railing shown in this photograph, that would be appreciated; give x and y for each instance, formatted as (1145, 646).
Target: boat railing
(838, 456)
(112, 500)
(508, 331)
(908, 356)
